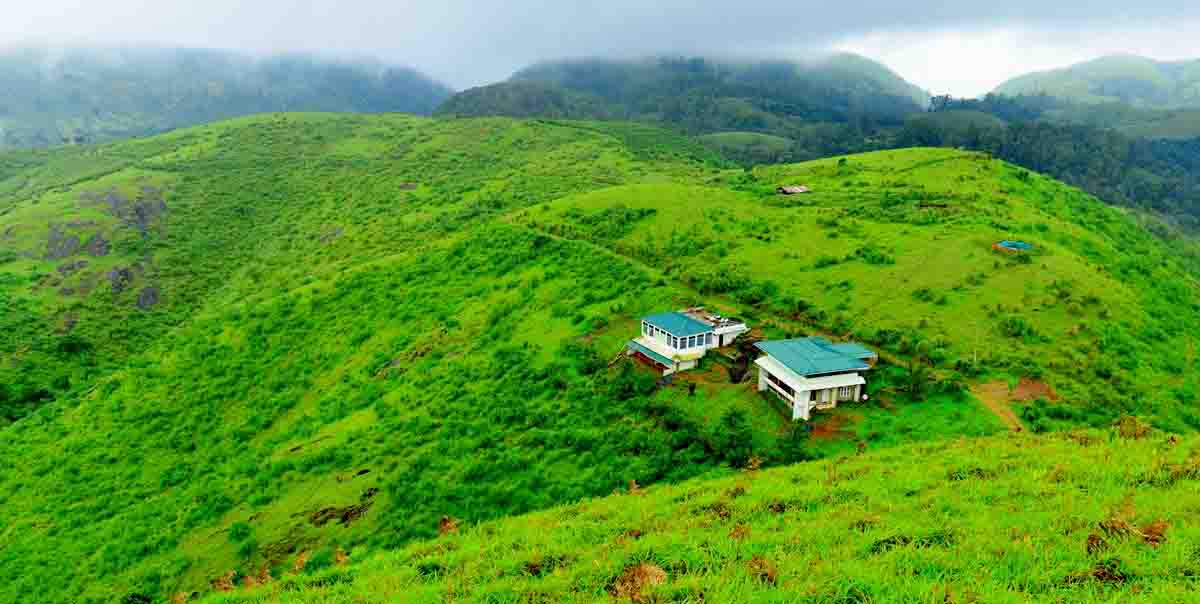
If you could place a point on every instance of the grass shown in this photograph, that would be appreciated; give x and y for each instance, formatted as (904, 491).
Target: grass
(364, 324)
(894, 248)
(1002, 519)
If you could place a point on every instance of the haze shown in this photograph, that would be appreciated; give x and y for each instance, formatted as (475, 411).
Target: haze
(959, 48)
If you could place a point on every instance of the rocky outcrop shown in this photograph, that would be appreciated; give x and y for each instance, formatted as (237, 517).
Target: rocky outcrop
(148, 298)
(60, 244)
(97, 246)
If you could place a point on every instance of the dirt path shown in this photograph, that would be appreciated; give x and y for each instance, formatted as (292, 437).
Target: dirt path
(996, 396)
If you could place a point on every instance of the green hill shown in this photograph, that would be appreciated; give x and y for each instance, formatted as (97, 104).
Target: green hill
(311, 331)
(1018, 519)
(1139, 81)
(88, 94)
(820, 107)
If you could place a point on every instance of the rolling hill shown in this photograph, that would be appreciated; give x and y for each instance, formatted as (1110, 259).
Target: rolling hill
(1015, 519)
(242, 345)
(1138, 81)
(56, 95)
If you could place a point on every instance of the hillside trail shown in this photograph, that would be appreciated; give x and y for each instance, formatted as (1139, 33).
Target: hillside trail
(995, 396)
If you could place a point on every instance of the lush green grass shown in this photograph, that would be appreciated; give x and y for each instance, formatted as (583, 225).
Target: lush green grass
(390, 319)
(993, 520)
(895, 248)
(337, 296)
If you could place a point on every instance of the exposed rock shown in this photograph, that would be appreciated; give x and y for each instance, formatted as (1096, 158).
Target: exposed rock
(97, 246)
(146, 213)
(148, 298)
(59, 244)
(71, 268)
(331, 235)
(68, 323)
(120, 278)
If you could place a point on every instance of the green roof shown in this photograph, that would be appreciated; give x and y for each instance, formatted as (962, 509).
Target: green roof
(654, 356)
(809, 357)
(678, 324)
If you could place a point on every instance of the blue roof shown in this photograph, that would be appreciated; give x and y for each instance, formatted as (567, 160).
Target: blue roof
(654, 356)
(1015, 245)
(809, 357)
(678, 324)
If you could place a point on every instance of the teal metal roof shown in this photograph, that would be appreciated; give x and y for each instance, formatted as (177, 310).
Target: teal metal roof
(855, 350)
(817, 356)
(678, 324)
(658, 358)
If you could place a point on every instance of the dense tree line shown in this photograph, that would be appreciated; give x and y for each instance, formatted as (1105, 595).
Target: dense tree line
(1162, 175)
(85, 95)
(842, 104)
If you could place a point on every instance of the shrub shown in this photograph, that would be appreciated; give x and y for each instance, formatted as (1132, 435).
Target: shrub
(240, 531)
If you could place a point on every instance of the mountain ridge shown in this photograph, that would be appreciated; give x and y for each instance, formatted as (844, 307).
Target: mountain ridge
(1137, 80)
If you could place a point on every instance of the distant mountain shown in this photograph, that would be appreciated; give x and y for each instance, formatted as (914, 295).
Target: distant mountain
(702, 96)
(87, 94)
(1139, 81)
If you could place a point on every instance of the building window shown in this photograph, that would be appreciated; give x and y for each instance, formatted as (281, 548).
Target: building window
(780, 385)
(675, 342)
(846, 392)
(709, 337)
(691, 341)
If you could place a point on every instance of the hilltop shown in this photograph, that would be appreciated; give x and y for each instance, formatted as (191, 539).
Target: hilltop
(800, 109)
(79, 94)
(311, 331)
(1016, 519)
(1139, 81)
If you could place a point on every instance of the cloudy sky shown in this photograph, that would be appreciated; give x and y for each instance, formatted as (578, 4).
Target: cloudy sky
(957, 47)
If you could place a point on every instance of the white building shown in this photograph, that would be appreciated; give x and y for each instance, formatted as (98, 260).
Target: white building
(813, 373)
(676, 341)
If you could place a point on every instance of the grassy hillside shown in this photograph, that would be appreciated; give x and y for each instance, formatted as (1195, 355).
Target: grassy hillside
(89, 94)
(1130, 79)
(361, 324)
(894, 248)
(1086, 517)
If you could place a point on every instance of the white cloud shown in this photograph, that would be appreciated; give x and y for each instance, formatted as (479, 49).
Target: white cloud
(972, 62)
(961, 47)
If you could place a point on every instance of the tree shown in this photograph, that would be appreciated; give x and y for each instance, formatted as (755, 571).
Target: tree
(917, 378)
(734, 441)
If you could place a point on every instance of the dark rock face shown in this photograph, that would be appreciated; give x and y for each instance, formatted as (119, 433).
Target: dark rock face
(148, 298)
(146, 213)
(71, 268)
(120, 278)
(59, 244)
(143, 213)
(97, 246)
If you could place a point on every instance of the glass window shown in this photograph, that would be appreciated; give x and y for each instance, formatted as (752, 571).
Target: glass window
(675, 342)
(691, 342)
(710, 339)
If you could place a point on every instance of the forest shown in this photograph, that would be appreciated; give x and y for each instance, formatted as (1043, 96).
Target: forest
(1159, 175)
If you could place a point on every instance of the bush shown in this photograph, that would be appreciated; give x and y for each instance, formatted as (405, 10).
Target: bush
(240, 531)
(734, 441)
